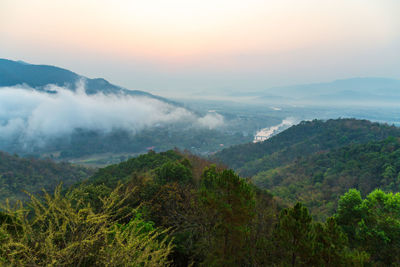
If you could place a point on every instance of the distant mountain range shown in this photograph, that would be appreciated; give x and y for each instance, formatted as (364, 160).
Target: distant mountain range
(39, 76)
(367, 91)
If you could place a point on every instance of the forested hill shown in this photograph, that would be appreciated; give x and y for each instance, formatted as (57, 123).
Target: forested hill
(123, 171)
(318, 180)
(176, 209)
(39, 76)
(32, 175)
(301, 140)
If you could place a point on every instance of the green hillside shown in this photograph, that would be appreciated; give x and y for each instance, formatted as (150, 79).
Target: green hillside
(318, 180)
(317, 161)
(176, 209)
(32, 175)
(301, 140)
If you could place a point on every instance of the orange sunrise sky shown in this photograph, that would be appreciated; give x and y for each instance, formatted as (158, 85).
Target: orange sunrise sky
(168, 47)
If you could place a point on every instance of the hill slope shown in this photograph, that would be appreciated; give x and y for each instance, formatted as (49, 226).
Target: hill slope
(316, 161)
(22, 174)
(319, 179)
(192, 205)
(301, 140)
(39, 76)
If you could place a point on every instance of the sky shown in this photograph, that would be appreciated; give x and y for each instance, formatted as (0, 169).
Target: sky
(177, 47)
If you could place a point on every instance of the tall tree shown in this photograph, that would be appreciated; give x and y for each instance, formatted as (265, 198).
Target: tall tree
(228, 202)
(294, 236)
(330, 247)
(374, 224)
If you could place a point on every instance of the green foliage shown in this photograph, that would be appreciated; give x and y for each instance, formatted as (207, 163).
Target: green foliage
(331, 247)
(318, 180)
(301, 242)
(294, 236)
(229, 204)
(317, 161)
(165, 193)
(301, 140)
(28, 174)
(118, 216)
(113, 174)
(374, 225)
(174, 172)
(350, 212)
(260, 243)
(61, 231)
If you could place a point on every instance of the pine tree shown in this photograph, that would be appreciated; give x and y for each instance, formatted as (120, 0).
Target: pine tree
(294, 236)
(228, 202)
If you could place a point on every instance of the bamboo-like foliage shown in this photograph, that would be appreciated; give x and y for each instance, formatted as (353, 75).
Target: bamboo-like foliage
(58, 230)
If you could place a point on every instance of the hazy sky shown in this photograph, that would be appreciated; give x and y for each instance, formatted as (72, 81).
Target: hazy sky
(167, 46)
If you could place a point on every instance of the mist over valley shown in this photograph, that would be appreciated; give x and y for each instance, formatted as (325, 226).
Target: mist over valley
(47, 111)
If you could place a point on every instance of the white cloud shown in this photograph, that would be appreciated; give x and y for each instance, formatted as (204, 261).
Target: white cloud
(212, 120)
(30, 115)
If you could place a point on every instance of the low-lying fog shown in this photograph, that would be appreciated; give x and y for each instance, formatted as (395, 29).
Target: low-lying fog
(30, 114)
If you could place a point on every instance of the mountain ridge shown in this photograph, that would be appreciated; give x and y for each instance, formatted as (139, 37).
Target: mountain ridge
(317, 161)
(302, 139)
(367, 91)
(18, 174)
(39, 76)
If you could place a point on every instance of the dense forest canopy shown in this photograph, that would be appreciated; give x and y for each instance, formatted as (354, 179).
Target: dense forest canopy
(177, 209)
(319, 179)
(317, 161)
(32, 175)
(306, 138)
(170, 209)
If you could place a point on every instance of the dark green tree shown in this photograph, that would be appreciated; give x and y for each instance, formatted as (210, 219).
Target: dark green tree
(350, 212)
(294, 237)
(228, 204)
(330, 247)
(374, 224)
(174, 172)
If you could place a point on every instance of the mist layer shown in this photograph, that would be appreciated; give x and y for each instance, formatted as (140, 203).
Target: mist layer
(30, 114)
